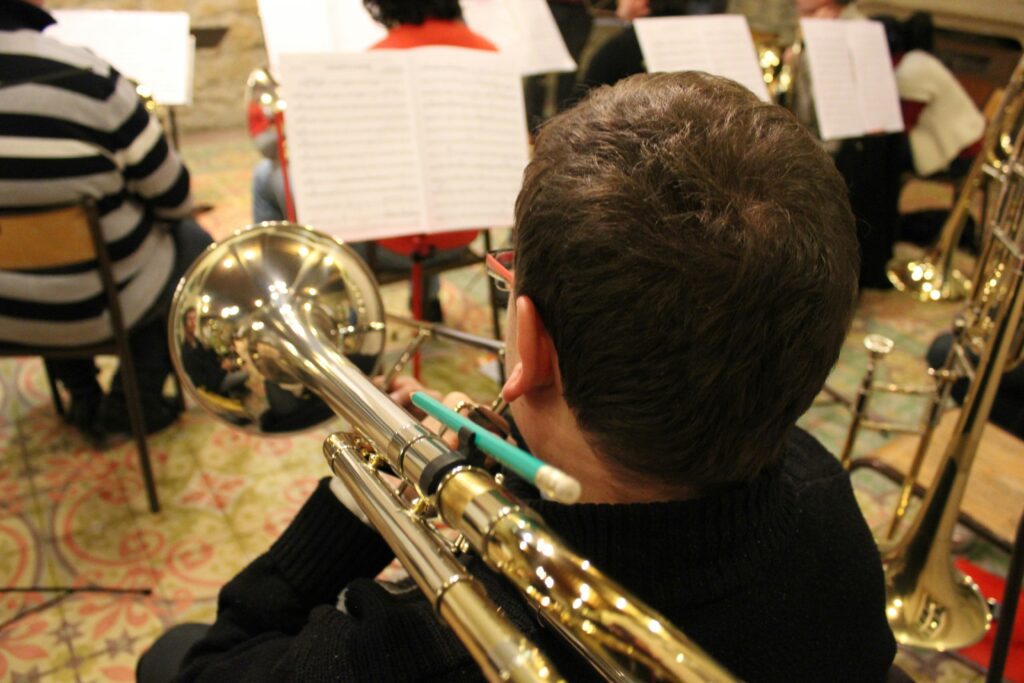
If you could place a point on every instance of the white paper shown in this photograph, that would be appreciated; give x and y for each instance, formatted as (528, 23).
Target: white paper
(876, 78)
(390, 143)
(719, 44)
(523, 29)
(852, 78)
(152, 48)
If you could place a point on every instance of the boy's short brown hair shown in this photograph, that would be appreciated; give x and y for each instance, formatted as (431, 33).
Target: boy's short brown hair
(692, 252)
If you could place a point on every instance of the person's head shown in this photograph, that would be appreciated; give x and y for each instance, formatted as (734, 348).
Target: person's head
(919, 32)
(392, 13)
(190, 322)
(685, 273)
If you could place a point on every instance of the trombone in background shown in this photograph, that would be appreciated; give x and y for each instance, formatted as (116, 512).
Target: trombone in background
(930, 603)
(933, 277)
(304, 313)
(779, 62)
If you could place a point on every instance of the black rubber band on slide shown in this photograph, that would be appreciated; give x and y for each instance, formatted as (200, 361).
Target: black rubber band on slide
(438, 468)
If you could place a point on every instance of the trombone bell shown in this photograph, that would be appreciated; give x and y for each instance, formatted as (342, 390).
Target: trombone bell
(931, 604)
(926, 282)
(229, 308)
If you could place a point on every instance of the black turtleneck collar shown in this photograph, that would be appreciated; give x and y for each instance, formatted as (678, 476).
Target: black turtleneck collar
(719, 542)
(17, 14)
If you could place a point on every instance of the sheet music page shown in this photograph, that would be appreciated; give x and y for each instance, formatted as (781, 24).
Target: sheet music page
(731, 46)
(718, 44)
(543, 49)
(833, 78)
(494, 20)
(672, 44)
(354, 160)
(473, 136)
(152, 48)
(295, 26)
(876, 79)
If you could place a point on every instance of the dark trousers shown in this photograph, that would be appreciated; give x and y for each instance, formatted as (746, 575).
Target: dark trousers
(574, 23)
(871, 168)
(148, 338)
(1008, 409)
(161, 663)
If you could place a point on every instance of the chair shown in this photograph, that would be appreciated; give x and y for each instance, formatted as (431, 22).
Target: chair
(52, 238)
(418, 274)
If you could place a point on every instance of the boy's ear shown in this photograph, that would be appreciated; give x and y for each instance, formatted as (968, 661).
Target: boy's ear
(536, 367)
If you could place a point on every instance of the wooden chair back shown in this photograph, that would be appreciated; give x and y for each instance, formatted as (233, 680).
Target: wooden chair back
(50, 238)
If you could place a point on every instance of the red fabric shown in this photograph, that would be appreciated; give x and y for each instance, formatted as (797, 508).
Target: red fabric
(993, 586)
(432, 32)
(911, 113)
(258, 121)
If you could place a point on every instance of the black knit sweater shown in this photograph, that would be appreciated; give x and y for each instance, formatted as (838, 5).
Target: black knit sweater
(779, 580)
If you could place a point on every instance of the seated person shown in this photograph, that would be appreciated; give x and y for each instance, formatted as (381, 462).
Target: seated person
(75, 130)
(684, 275)
(410, 24)
(1008, 409)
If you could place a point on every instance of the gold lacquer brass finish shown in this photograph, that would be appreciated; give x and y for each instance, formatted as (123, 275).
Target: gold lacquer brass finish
(621, 636)
(926, 281)
(292, 309)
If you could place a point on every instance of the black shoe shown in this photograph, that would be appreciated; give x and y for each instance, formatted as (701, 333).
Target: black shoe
(83, 414)
(157, 413)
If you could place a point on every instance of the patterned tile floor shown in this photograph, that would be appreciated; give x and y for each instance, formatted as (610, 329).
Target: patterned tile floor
(71, 515)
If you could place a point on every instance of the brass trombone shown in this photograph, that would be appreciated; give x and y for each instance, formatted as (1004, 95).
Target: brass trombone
(934, 277)
(293, 304)
(931, 604)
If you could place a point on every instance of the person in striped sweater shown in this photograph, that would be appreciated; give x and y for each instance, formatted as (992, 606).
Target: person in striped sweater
(71, 128)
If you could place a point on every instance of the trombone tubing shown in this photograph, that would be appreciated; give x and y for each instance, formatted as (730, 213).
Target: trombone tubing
(444, 332)
(617, 633)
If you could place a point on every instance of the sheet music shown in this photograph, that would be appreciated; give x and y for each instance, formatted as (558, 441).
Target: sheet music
(524, 29)
(353, 153)
(876, 79)
(852, 78)
(403, 142)
(719, 44)
(473, 137)
(151, 48)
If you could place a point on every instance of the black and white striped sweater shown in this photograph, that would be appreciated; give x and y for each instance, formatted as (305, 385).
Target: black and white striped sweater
(71, 127)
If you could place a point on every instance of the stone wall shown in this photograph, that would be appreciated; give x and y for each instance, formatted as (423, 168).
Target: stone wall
(220, 72)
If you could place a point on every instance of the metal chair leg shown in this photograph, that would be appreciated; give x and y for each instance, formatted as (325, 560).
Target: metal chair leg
(133, 398)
